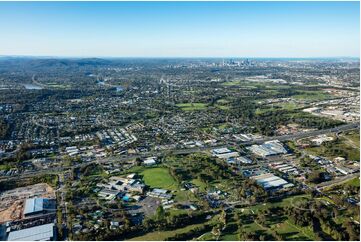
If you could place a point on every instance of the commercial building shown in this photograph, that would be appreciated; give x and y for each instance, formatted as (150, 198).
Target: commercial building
(150, 161)
(160, 193)
(45, 232)
(36, 206)
(108, 194)
(244, 160)
(269, 148)
(224, 153)
(270, 181)
(220, 151)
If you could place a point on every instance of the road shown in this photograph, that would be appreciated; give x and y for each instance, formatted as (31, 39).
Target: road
(257, 141)
(61, 190)
(336, 181)
(59, 170)
(125, 158)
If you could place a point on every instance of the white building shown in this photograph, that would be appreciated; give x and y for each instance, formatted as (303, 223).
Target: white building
(150, 161)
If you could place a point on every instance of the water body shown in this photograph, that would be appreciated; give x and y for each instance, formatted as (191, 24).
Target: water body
(32, 87)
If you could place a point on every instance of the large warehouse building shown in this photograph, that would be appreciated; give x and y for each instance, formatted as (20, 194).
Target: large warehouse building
(270, 181)
(35, 206)
(45, 232)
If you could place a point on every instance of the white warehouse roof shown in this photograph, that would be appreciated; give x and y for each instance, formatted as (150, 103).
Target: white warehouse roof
(33, 205)
(38, 233)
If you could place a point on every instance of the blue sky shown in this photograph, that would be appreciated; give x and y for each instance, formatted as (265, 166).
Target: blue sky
(180, 29)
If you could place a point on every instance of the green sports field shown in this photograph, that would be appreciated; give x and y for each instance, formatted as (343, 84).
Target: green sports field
(192, 106)
(159, 178)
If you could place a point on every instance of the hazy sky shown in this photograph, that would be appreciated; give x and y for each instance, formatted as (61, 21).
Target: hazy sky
(180, 29)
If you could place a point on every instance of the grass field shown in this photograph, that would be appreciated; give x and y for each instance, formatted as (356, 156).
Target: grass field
(162, 235)
(223, 126)
(340, 148)
(354, 182)
(264, 110)
(159, 177)
(222, 101)
(223, 107)
(288, 106)
(293, 232)
(231, 83)
(313, 95)
(201, 185)
(192, 106)
(7, 167)
(275, 107)
(353, 137)
(287, 229)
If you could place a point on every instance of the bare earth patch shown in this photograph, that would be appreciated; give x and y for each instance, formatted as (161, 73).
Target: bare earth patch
(12, 201)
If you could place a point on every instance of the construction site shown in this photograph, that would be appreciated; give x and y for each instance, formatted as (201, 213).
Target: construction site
(12, 202)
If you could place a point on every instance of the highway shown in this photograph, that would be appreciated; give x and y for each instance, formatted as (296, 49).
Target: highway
(336, 181)
(260, 141)
(125, 158)
(59, 170)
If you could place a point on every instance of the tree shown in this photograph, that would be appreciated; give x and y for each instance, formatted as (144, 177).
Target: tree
(352, 231)
(160, 213)
(138, 161)
(261, 219)
(315, 177)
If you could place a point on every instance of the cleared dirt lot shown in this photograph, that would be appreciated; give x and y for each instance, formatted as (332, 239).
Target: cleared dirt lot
(12, 201)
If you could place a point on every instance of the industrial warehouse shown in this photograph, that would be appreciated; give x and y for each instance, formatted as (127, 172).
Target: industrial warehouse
(270, 181)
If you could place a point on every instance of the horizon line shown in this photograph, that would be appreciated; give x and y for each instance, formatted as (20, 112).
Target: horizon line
(181, 57)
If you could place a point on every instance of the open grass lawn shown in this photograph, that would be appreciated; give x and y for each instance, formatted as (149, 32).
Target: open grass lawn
(232, 83)
(286, 228)
(288, 106)
(291, 231)
(353, 137)
(285, 202)
(279, 106)
(230, 237)
(201, 185)
(192, 106)
(223, 107)
(159, 177)
(282, 225)
(341, 148)
(264, 110)
(162, 235)
(313, 95)
(354, 182)
(206, 237)
(223, 126)
(222, 101)
(7, 167)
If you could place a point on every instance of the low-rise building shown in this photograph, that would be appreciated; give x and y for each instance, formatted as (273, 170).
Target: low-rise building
(150, 161)
(108, 194)
(269, 148)
(160, 193)
(270, 181)
(45, 232)
(36, 206)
